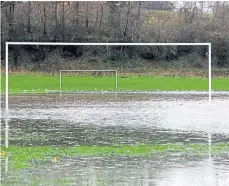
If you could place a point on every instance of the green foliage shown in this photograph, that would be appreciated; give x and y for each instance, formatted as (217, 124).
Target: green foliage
(24, 156)
(167, 18)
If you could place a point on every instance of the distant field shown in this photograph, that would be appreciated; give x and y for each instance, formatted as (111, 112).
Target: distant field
(42, 84)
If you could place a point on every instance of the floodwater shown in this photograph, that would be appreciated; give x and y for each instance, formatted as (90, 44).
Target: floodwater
(106, 119)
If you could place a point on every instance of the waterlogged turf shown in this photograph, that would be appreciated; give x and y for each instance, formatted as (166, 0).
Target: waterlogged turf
(24, 157)
(116, 139)
(43, 84)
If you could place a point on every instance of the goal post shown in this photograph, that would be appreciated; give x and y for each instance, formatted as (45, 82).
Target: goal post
(115, 71)
(7, 44)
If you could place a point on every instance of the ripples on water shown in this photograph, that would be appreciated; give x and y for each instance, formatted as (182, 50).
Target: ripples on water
(102, 119)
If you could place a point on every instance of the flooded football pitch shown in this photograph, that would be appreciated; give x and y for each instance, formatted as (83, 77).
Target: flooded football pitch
(189, 138)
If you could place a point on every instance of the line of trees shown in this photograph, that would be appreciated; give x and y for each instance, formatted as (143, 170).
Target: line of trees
(100, 21)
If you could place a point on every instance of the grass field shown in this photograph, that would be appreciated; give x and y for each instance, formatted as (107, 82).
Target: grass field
(42, 84)
(22, 157)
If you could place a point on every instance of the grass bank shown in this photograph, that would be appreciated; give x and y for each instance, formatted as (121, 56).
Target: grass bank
(35, 83)
(23, 157)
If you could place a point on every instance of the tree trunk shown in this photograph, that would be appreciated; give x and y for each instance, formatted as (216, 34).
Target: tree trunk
(29, 18)
(138, 22)
(217, 8)
(56, 19)
(15, 56)
(87, 12)
(96, 20)
(100, 22)
(45, 20)
(127, 21)
(11, 21)
(63, 20)
(43, 17)
(77, 14)
(115, 20)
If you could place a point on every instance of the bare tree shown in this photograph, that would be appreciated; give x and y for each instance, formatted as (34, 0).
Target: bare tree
(56, 20)
(77, 14)
(63, 20)
(9, 12)
(189, 11)
(114, 20)
(43, 16)
(125, 32)
(101, 20)
(87, 15)
(96, 20)
(29, 17)
(138, 21)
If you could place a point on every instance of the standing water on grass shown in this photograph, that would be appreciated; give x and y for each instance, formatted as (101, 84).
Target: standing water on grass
(117, 139)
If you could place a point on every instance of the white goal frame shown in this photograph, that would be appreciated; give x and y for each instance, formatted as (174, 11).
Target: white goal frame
(7, 44)
(116, 75)
(106, 44)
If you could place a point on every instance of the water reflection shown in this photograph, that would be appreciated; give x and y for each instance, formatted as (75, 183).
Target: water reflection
(137, 171)
(43, 132)
(72, 120)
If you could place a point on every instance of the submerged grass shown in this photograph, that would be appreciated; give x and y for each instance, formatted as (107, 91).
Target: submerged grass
(43, 84)
(23, 156)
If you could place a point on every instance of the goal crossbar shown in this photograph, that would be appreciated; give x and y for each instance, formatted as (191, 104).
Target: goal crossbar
(107, 44)
(7, 44)
(116, 74)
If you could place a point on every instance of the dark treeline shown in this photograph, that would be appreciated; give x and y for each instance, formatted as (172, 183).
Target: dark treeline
(116, 22)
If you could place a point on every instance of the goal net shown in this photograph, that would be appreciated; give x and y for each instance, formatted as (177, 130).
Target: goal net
(89, 80)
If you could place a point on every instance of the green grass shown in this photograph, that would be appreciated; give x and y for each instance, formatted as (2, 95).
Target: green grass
(220, 83)
(23, 157)
(41, 84)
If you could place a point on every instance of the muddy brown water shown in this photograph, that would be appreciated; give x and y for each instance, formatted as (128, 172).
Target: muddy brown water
(105, 119)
